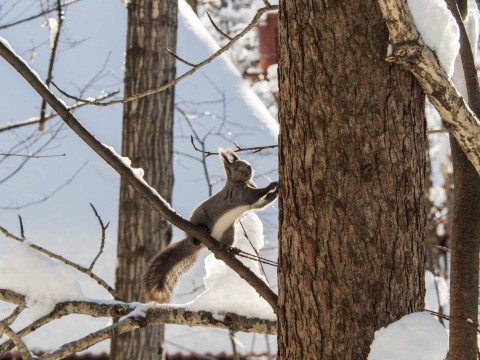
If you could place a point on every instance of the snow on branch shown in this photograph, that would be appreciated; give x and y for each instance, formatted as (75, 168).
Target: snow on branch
(134, 178)
(410, 51)
(128, 316)
(52, 255)
(268, 7)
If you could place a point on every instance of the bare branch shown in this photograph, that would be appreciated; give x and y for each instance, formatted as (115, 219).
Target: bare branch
(102, 240)
(12, 297)
(21, 347)
(49, 195)
(33, 156)
(132, 316)
(219, 52)
(53, 52)
(218, 29)
(80, 268)
(53, 134)
(22, 230)
(51, 115)
(239, 149)
(139, 184)
(439, 131)
(179, 58)
(13, 316)
(36, 16)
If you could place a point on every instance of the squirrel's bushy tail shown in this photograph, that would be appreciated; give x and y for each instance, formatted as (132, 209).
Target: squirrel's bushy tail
(165, 268)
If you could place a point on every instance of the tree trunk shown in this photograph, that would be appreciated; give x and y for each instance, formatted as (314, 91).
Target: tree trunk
(465, 240)
(147, 141)
(352, 171)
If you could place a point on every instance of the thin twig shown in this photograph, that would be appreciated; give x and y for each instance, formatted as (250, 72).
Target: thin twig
(439, 131)
(21, 347)
(217, 28)
(180, 59)
(239, 149)
(49, 195)
(53, 52)
(219, 52)
(231, 335)
(80, 268)
(449, 318)
(443, 248)
(22, 229)
(36, 120)
(102, 240)
(33, 156)
(36, 16)
(53, 135)
(256, 252)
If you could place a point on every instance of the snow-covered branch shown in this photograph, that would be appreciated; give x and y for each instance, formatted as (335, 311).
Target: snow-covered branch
(411, 52)
(129, 316)
(134, 177)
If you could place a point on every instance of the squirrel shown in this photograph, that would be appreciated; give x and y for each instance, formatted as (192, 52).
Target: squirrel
(216, 215)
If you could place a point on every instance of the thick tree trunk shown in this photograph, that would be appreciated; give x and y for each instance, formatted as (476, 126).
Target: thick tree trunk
(352, 169)
(147, 141)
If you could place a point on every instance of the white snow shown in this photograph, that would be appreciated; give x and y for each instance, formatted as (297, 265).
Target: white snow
(417, 336)
(225, 291)
(53, 26)
(42, 280)
(438, 29)
(437, 293)
(138, 172)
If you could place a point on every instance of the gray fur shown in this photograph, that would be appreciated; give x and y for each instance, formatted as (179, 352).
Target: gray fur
(238, 196)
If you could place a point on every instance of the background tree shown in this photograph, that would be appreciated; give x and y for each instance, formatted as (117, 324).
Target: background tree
(465, 240)
(352, 165)
(147, 140)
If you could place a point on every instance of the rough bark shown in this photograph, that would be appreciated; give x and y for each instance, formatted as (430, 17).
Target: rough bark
(410, 51)
(147, 140)
(352, 168)
(465, 240)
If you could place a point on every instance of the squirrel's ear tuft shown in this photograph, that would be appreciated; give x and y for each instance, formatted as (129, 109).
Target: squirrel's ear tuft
(224, 156)
(228, 156)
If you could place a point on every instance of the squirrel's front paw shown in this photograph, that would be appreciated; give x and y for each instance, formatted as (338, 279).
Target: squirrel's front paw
(273, 185)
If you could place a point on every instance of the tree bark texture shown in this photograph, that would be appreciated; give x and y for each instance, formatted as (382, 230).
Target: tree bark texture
(147, 140)
(352, 171)
(465, 239)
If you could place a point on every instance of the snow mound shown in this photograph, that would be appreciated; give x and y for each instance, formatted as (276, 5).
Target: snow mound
(416, 336)
(42, 280)
(225, 291)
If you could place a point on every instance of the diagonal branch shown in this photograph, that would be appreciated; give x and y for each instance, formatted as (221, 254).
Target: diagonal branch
(219, 52)
(411, 52)
(131, 176)
(17, 340)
